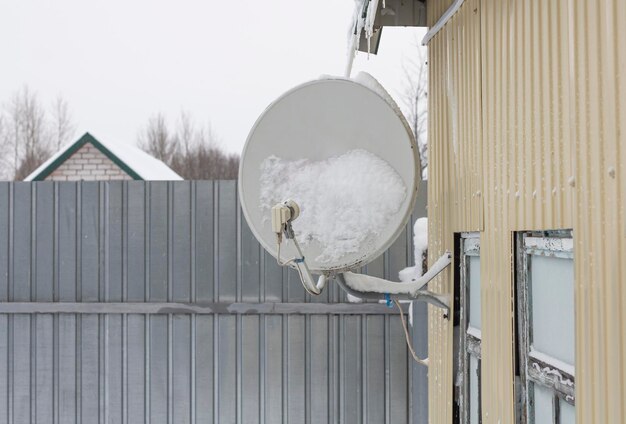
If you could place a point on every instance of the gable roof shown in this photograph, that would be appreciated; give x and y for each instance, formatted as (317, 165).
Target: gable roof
(132, 160)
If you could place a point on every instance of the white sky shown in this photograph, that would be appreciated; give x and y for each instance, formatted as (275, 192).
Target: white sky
(119, 62)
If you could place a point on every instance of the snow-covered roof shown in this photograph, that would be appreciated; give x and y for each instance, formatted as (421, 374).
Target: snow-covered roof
(134, 161)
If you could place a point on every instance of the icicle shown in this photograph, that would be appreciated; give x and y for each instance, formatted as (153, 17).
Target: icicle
(354, 34)
(362, 22)
(369, 23)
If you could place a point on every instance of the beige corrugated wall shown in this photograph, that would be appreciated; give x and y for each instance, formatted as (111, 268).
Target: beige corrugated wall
(455, 202)
(526, 108)
(598, 84)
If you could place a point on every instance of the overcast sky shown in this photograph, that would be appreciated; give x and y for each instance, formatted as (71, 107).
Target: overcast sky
(119, 62)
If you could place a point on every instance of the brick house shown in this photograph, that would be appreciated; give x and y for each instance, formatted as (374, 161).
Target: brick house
(89, 159)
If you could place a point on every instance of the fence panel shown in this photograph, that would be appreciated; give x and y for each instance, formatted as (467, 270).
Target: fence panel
(127, 302)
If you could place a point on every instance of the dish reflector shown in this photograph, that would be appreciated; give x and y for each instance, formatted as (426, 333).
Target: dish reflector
(322, 121)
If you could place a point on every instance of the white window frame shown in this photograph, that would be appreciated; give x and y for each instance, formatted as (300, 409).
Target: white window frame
(470, 338)
(537, 368)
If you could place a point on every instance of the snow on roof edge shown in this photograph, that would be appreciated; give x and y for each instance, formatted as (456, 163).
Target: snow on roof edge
(143, 164)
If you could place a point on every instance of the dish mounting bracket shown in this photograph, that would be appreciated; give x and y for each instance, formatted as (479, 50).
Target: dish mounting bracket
(373, 288)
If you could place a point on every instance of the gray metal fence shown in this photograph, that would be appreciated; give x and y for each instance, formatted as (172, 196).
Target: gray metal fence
(152, 302)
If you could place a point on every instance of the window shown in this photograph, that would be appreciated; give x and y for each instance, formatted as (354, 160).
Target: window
(470, 330)
(545, 294)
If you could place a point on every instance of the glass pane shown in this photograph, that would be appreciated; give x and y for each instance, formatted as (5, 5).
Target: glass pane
(552, 302)
(474, 391)
(474, 291)
(542, 405)
(567, 412)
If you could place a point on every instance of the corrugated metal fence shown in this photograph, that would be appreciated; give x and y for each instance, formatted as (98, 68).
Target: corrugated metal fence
(152, 302)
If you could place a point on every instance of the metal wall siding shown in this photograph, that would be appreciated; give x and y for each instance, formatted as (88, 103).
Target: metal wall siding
(455, 201)
(597, 83)
(182, 244)
(541, 139)
(435, 9)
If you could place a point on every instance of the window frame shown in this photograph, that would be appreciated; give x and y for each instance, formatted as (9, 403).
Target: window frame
(470, 338)
(537, 368)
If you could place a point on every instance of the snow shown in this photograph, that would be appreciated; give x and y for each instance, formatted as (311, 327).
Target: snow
(345, 200)
(356, 26)
(372, 83)
(367, 80)
(368, 284)
(147, 167)
(354, 299)
(420, 242)
(557, 363)
(553, 244)
(475, 332)
(361, 24)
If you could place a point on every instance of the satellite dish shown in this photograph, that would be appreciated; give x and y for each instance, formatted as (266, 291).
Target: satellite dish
(319, 121)
(327, 181)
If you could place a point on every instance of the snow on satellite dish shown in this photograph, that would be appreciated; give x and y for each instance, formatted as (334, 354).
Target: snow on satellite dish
(328, 179)
(345, 201)
(344, 153)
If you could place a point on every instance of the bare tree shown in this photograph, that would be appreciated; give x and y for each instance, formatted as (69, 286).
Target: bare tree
(33, 119)
(62, 124)
(202, 158)
(415, 100)
(29, 132)
(5, 150)
(192, 152)
(13, 112)
(31, 161)
(156, 139)
(185, 133)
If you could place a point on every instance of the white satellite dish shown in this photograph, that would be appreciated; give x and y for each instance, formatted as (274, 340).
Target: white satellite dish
(303, 140)
(319, 120)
